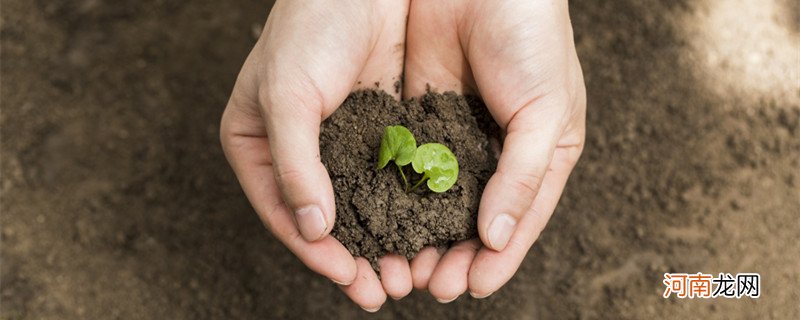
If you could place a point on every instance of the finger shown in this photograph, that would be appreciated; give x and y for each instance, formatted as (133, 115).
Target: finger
(434, 58)
(526, 154)
(246, 151)
(366, 290)
(449, 279)
(293, 128)
(395, 276)
(492, 269)
(422, 266)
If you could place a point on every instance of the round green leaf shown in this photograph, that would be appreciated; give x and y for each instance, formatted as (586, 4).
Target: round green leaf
(438, 163)
(397, 144)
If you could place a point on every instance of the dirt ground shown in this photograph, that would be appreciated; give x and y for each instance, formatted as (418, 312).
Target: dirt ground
(118, 203)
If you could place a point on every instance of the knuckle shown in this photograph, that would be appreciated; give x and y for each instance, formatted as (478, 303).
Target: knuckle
(286, 235)
(470, 247)
(515, 244)
(288, 175)
(304, 93)
(225, 134)
(525, 182)
(574, 156)
(268, 214)
(291, 235)
(573, 161)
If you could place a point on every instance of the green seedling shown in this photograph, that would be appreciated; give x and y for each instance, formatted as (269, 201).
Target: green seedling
(398, 144)
(435, 162)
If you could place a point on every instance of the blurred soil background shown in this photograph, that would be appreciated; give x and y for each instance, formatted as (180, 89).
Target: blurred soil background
(118, 203)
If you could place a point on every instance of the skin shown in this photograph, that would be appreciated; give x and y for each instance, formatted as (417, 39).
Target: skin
(519, 56)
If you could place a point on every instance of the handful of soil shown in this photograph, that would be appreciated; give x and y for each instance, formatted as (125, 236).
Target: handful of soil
(374, 214)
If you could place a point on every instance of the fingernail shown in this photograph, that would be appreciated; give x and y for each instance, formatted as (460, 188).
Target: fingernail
(446, 301)
(479, 296)
(373, 310)
(311, 222)
(341, 283)
(500, 230)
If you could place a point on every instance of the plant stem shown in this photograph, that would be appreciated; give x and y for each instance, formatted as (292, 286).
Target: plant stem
(425, 177)
(399, 168)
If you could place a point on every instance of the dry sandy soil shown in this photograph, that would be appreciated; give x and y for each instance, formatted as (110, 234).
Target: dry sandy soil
(118, 203)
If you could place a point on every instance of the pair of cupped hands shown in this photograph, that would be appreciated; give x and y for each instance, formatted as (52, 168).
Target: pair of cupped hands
(519, 56)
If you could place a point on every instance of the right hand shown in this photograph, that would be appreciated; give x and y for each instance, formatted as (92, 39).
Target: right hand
(310, 56)
(519, 55)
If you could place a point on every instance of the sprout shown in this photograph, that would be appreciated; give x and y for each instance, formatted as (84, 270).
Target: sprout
(397, 144)
(437, 164)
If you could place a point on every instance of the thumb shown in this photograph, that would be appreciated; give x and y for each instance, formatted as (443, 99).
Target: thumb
(293, 127)
(528, 147)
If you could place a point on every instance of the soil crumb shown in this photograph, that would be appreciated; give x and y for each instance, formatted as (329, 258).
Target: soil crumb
(375, 215)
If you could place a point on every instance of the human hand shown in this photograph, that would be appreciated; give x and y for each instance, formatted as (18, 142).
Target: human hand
(310, 56)
(520, 57)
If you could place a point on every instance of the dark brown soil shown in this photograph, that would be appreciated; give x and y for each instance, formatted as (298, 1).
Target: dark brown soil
(374, 213)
